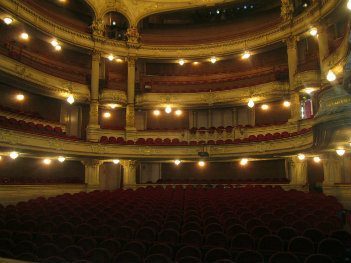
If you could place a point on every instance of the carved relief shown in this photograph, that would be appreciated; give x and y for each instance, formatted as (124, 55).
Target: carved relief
(287, 10)
(98, 28)
(133, 37)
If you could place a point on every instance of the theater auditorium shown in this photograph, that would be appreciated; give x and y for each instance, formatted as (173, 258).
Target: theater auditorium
(185, 131)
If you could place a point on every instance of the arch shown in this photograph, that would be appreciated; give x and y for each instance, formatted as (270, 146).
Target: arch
(92, 7)
(118, 11)
(116, 25)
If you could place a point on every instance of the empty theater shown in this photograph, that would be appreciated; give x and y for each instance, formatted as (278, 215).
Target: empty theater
(184, 131)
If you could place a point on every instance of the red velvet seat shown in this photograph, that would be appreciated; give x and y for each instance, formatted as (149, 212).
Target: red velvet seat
(112, 140)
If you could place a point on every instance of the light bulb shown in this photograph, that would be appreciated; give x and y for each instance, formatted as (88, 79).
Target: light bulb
(340, 152)
(70, 99)
(251, 103)
(14, 155)
(331, 76)
(24, 36)
(110, 57)
(213, 60)
(201, 163)
(181, 62)
(54, 43)
(116, 161)
(177, 162)
(20, 97)
(168, 109)
(47, 161)
(313, 31)
(113, 106)
(264, 107)
(349, 4)
(58, 48)
(8, 20)
(301, 157)
(107, 115)
(178, 112)
(61, 159)
(119, 60)
(317, 159)
(157, 112)
(286, 103)
(244, 162)
(246, 55)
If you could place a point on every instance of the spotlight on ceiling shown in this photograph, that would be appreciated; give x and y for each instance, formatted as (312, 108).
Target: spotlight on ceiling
(168, 109)
(286, 103)
(54, 43)
(181, 62)
(61, 159)
(331, 76)
(110, 57)
(301, 156)
(201, 163)
(340, 152)
(113, 106)
(14, 155)
(246, 55)
(317, 159)
(8, 20)
(251, 103)
(47, 161)
(20, 97)
(24, 36)
(264, 107)
(178, 112)
(313, 31)
(116, 161)
(213, 60)
(70, 99)
(107, 115)
(244, 161)
(157, 112)
(176, 162)
(58, 48)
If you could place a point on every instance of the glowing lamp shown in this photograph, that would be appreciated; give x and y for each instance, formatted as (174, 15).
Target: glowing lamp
(178, 112)
(313, 31)
(24, 36)
(70, 99)
(107, 115)
(340, 152)
(47, 161)
(286, 104)
(331, 76)
(8, 20)
(168, 109)
(244, 162)
(176, 162)
(181, 62)
(201, 163)
(14, 155)
(301, 157)
(213, 60)
(251, 103)
(246, 55)
(116, 161)
(61, 159)
(110, 57)
(157, 112)
(317, 159)
(264, 107)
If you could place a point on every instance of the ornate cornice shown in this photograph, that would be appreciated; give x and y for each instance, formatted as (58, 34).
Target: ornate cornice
(297, 26)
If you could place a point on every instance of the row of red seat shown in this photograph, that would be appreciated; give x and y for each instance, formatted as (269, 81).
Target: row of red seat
(30, 127)
(229, 129)
(30, 114)
(168, 141)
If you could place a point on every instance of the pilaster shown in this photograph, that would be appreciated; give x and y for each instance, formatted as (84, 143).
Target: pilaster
(297, 171)
(291, 44)
(323, 48)
(92, 179)
(130, 109)
(129, 174)
(295, 106)
(333, 170)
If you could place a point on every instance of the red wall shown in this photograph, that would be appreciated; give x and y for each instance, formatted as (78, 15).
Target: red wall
(275, 114)
(167, 121)
(116, 121)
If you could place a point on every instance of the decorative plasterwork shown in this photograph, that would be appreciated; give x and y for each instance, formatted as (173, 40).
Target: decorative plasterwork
(113, 96)
(258, 39)
(262, 92)
(47, 84)
(30, 142)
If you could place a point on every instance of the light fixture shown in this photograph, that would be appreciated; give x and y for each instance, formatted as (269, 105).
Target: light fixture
(309, 91)
(20, 97)
(157, 112)
(24, 36)
(301, 156)
(286, 103)
(113, 106)
(251, 103)
(0, 158)
(54, 43)
(331, 76)
(119, 60)
(201, 163)
(110, 57)
(176, 162)
(244, 161)
(113, 23)
(58, 48)
(168, 109)
(349, 4)
(178, 112)
(340, 152)
(47, 161)
(213, 60)
(116, 161)
(107, 115)
(317, 159)
(70, 99)
(195, 63)
(14, 155)
(264, 107)
(61, 159)
(313, 31)
(181, 62)
(8, 20)
(246, 55)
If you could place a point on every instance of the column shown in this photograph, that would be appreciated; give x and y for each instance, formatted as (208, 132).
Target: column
(333, 169)
(234, 117)
(251, 116)
(323, 46)
(92, 179)
(291, 43)
(130, 110)
(94, 90)
(297, 171)
(129, 174)
(295, 106)
(209, 118)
